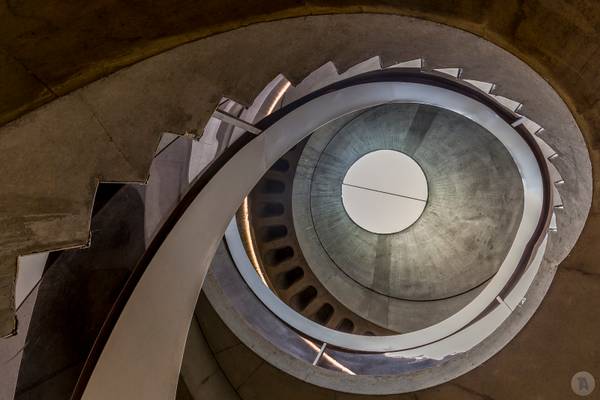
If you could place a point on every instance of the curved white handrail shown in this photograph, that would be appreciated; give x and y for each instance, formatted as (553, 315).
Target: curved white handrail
(178, 268)
(295, 126)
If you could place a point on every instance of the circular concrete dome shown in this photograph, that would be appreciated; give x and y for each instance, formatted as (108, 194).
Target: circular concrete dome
(474, 202)
(384, 191)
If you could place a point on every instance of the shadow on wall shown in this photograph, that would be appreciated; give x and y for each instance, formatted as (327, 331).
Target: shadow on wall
(76, 293)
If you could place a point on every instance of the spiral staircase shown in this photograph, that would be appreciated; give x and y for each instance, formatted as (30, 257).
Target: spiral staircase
(288, 272)
(235, 206)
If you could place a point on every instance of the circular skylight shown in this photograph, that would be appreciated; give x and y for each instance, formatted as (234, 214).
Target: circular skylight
(384, 191)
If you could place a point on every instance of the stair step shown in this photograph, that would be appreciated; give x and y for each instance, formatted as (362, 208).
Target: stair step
(372, 64)
(483, 86)
(556, 197)
(553, 226)
(508, 103)
(554, 174)
(531, 126)
(455, 72)
(325, 75)
(416, 63)
(546, 149)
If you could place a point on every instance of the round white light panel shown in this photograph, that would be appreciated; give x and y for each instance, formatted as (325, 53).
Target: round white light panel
(384, 191)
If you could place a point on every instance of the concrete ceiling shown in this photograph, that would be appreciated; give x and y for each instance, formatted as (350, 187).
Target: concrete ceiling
(415, 264)
(49, 49)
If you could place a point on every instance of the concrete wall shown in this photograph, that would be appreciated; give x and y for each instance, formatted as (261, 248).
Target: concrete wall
(200, 371)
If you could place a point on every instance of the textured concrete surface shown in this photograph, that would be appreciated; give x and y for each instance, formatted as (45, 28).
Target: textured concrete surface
(200, 373)
(67, 213)
(473, 211)
(121, 226)
(186, 84)
(51, 48)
